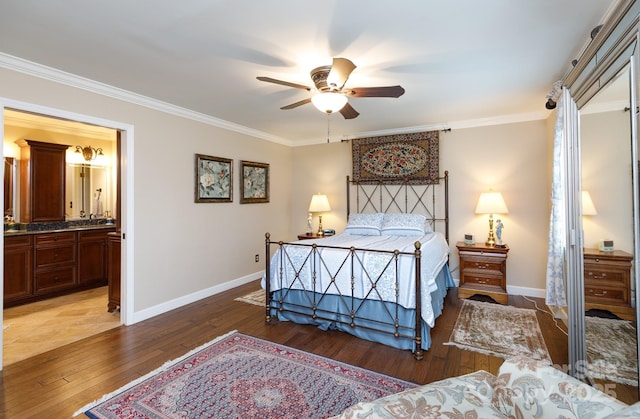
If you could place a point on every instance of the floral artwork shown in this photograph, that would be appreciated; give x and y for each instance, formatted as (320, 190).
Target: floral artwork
(254, 182)
(213, 179)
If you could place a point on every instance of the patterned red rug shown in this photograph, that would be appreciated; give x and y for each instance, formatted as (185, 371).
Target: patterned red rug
(241, 376)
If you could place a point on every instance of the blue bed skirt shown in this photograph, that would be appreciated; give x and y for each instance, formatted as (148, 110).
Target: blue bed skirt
(333, 312)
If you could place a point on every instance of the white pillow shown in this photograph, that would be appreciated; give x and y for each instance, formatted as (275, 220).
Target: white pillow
(364, 224)
(404, 225)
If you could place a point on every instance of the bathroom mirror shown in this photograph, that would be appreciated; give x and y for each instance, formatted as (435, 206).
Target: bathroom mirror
(608, 232)
(88, 191)
(9, 179)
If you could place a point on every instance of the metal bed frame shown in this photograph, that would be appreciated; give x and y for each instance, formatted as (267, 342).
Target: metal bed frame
(369, 197)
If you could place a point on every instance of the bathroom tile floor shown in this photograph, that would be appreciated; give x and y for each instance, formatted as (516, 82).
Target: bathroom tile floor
(38, 327)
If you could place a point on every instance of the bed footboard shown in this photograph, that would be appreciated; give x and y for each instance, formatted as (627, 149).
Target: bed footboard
(345, 286)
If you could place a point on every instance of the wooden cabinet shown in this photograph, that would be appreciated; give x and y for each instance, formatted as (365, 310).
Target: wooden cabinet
(54, 262)
(18, 254)
(42, 181)
(607, 282)
(483, 270)
(113, 268)
(43, 265)
(92, 257)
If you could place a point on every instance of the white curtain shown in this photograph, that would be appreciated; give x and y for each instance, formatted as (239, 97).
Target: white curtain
(556, 278)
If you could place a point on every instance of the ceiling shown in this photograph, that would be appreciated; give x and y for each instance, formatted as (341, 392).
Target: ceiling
(462, 63)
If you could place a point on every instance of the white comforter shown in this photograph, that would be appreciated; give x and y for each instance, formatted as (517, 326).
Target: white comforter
(298, 268)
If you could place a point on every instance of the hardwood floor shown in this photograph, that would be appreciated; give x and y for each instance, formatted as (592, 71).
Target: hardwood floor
(58, 382)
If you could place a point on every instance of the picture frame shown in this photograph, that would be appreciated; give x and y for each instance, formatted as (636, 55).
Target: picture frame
(213, 179)
(254, 182)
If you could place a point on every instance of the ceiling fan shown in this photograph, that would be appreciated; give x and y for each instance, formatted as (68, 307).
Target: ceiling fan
(330, 95)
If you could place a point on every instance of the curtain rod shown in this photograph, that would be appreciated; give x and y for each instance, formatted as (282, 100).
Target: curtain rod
(556, 89)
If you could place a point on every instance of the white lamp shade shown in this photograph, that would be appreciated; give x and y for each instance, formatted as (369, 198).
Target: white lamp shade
(329, 102)
(587, 204)
(491, 203)
(319, 203)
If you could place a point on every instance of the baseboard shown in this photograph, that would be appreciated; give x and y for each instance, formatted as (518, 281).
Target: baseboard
(526, 291)
(515, 290)
(150, 312)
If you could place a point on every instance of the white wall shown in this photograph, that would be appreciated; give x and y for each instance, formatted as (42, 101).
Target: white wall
(510, 158)
(181, 248)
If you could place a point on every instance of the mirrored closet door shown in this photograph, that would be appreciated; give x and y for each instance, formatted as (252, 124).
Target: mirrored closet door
(608, 165)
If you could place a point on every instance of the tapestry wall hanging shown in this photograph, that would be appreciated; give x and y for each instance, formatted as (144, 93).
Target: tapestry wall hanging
(395, 159)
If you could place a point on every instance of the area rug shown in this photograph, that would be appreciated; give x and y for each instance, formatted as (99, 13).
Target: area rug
(612, 350)
(256, 298)
(239, 376)
(498, 330)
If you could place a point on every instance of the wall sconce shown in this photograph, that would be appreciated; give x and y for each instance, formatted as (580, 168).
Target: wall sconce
(587, 204)
(319, 203)
(89, 153)
(491, 203)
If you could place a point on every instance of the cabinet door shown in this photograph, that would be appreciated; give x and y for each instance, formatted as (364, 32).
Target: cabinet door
(48, 185)
(92, 261)
(17, 273)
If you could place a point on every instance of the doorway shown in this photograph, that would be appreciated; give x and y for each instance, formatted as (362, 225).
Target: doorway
(125, 203)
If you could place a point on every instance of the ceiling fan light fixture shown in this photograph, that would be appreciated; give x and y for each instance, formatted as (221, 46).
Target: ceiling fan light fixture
(329, 102)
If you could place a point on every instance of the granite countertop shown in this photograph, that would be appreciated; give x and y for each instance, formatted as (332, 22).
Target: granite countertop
(24, 232)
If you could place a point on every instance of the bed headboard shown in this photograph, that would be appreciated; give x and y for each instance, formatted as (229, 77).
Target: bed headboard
(431, 200)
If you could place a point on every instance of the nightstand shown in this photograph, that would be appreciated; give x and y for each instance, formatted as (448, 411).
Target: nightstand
(305, 236)
(607, 282)
(483, 270)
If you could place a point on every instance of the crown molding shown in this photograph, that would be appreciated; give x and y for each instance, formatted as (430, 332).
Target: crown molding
(48, 73)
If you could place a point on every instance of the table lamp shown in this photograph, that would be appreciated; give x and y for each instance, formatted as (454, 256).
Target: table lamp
(587, 204)
(319, 204)
(491, 203)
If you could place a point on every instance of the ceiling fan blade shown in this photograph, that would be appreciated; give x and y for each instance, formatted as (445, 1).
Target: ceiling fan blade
(340, 71)
(348, 112)
(383, 91)
(295, 105)
(284, 83)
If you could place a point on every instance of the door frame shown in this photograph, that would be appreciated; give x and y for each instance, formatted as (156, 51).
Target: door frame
(127, 195)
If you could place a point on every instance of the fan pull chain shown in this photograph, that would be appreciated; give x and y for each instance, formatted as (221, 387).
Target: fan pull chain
(328, 127)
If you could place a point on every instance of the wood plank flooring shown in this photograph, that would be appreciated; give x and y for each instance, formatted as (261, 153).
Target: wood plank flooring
(58, 382)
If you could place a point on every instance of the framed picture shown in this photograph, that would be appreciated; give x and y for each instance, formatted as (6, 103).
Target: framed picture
(254, 182)
(213, 179)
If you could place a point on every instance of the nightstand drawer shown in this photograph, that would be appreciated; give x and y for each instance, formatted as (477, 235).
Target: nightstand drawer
(485, 264)
(606, 295)
(483, 280)
(598, 274)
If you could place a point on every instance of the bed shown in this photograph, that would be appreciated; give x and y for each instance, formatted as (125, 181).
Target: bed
(383, 279)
